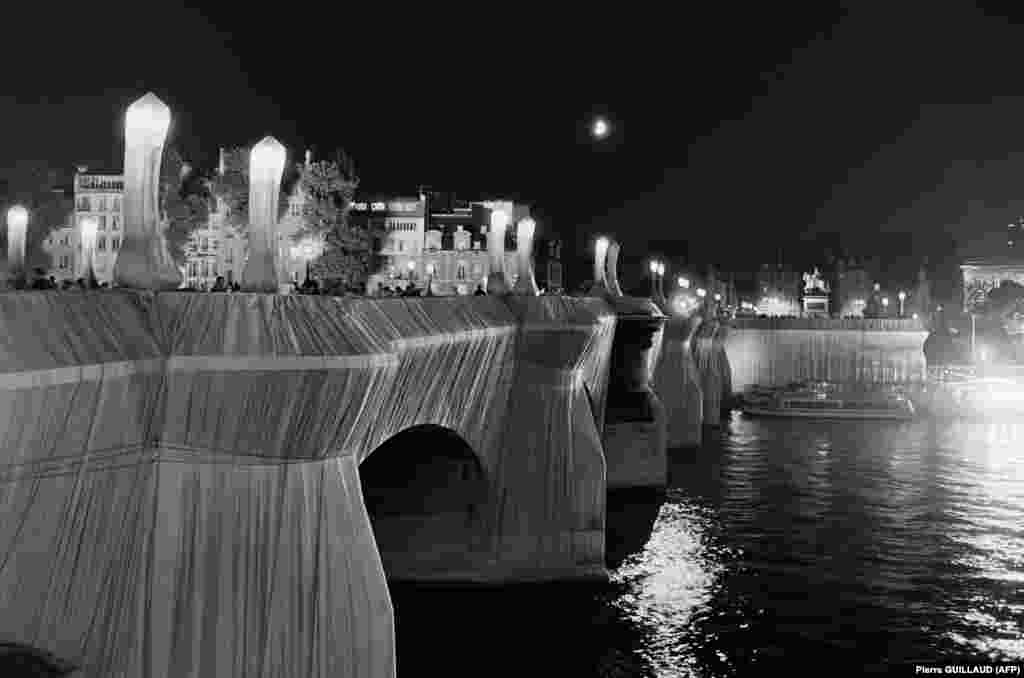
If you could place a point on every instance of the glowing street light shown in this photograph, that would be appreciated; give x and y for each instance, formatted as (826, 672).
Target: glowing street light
(718, 297)
(885, 303)
(525, 282)
(684, 282)
(266, 165)
(143, 260)
(600, 128)
(430, 279)
(654, 268)
(496, 282)
(701, 292)
(902, 296)
(88, 227)
(17, 227)
(309, 249)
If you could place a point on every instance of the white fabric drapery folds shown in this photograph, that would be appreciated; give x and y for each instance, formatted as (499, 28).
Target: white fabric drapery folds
(677, 381)
(179, 472)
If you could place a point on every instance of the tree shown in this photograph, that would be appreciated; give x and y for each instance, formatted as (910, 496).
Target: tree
(184, 202)
(349, 254)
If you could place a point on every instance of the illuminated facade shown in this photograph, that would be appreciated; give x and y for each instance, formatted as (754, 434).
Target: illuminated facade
(97, 195)
(452, 243)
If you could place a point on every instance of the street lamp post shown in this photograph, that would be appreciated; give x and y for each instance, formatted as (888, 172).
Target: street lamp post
(309, 250)
(885, 304)
(653, 267)
(266, 165)
(611, 270)
(430, 280)
(88, 227)
(496, 282)
(525, 283)
(17, 227)
(600, 259)
(143, 260)
(411, 266)
(903, 297)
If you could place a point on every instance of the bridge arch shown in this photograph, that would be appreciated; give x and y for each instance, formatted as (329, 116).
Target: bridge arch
(425, 491)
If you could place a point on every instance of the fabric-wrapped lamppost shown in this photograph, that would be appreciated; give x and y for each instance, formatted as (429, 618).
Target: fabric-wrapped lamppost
(430, 280)
(88, 228)
(143, 260)
(525, 283)
(600, 287)
(17, 227)
(496, 282)
(612, 269)
(660, 299)
(266, 166)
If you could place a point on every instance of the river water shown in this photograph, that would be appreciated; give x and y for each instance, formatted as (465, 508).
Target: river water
(800, 546)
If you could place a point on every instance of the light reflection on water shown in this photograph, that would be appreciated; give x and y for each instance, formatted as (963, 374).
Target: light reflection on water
(859, 544)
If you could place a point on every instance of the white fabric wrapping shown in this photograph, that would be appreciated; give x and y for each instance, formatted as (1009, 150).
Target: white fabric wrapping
(777, 351)
(677, 383)
(179, 472)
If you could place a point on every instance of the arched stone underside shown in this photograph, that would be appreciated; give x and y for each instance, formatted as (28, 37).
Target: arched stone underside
(425, 490)
(179, 472)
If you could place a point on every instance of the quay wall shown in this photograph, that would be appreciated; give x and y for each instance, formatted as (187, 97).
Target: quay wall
(777, 351)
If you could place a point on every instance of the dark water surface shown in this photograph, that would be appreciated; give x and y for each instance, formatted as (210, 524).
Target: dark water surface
(798, 546)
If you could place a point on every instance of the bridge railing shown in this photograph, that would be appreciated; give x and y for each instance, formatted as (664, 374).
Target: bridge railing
(862, 324)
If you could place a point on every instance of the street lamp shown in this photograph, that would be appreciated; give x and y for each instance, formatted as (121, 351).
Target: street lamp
(496, 282)
(661, 284)
(88, 226)
(17, 226)
(309, 250)
(684, 282)
(885, 304)
(143, 260)
(903, 296)
(525, 282)
(430, 279)
(266, 165)
(611, 270)
(600, 287)
(718, 297)
(653, 266)
(701, 292)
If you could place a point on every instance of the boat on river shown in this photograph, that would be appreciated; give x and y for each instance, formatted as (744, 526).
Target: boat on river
(822, 400)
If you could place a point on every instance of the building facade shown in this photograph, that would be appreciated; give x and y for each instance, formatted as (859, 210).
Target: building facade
(437, 239)
(97, 196)
(426, 237)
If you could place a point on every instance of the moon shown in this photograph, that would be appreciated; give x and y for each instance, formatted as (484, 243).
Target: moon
(600, 128)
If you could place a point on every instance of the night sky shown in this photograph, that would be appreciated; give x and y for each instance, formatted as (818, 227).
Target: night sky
(737, 131)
